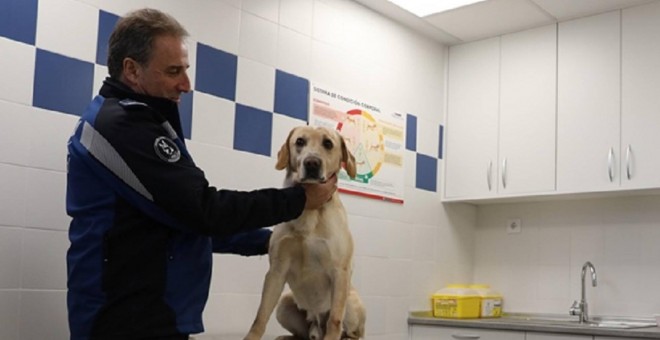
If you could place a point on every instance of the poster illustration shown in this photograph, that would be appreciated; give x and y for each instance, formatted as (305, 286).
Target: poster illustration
(375, 136)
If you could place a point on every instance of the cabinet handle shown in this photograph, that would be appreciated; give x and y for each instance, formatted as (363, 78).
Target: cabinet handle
(466, 336)
(504, 173)
(610, 168)
(489, 172)
(628, 154)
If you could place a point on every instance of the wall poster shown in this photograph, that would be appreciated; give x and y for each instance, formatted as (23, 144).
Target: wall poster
(375, 136)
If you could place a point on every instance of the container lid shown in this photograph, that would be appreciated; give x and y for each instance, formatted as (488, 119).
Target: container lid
(456, 290)
(484, 290)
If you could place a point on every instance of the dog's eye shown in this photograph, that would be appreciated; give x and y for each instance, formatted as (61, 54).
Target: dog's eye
(300, 141)
(327, 144)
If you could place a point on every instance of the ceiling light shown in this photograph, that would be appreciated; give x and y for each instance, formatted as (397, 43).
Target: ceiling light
(422, 8)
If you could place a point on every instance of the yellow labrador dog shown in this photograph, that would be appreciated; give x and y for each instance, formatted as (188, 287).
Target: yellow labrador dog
(313, 253)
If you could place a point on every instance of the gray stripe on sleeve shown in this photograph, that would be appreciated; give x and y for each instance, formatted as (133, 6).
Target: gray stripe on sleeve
(101, 149)
(170, 130)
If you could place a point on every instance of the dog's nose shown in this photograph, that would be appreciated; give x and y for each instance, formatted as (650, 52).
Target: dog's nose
(312, 167)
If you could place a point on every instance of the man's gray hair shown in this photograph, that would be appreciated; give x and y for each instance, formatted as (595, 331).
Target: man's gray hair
(133, 37)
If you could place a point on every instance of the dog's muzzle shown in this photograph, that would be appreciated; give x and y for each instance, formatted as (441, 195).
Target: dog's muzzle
(313, 167)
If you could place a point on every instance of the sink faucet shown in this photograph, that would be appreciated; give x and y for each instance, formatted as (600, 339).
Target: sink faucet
(581, 308)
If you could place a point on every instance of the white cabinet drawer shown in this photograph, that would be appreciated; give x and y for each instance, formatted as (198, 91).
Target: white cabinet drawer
(551, 336)
(450, 333)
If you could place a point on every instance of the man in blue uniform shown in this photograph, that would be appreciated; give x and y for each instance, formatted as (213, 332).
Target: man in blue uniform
(145, 221)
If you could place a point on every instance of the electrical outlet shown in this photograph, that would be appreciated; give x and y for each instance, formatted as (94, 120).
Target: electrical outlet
(514, 226)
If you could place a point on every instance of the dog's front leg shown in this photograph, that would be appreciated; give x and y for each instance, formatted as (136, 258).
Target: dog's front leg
(273, 286)
(338, 307)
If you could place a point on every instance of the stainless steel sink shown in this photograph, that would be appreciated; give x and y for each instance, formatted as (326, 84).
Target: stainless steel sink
(560, 321)
(621, 324)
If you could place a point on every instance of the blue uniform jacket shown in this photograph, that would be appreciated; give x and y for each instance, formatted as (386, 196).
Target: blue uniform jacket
(145, 221)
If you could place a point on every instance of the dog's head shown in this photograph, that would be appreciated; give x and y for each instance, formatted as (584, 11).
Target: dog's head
(314, 154)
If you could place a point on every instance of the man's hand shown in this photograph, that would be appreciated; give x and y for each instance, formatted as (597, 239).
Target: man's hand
(318, 194)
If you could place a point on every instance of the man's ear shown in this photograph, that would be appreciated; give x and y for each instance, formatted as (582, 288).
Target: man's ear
(283, 154)
(130, 71)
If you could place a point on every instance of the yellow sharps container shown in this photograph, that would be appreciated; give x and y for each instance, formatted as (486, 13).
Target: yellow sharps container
(456, 301)
(491, 301)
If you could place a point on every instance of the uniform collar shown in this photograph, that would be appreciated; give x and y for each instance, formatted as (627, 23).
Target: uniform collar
(113, 88)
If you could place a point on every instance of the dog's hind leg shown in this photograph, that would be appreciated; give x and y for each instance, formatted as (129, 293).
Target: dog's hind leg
(292, 318)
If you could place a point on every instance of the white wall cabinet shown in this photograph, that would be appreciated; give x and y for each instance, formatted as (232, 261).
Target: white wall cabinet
(588, 104)
(566, 109)
(448, 333)
(501, 116)
(640, 106)
(472, 105)
(528, 111)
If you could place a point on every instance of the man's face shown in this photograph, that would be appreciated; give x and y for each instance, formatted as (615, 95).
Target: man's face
(165, 74)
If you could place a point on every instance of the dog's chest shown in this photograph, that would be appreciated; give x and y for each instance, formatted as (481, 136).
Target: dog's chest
(316, 249)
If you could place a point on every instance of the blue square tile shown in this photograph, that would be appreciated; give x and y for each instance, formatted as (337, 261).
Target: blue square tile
(185, 112)
(411, 132)
(18, 20)
(291, 95)
(61, 83)
(427, 173)
(441, 134)
(107, 22)
(253, 129)
(216, 72)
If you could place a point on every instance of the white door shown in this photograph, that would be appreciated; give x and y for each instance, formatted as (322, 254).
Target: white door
(640, 120)
(528, 88)
(472, 114)
(588, 104)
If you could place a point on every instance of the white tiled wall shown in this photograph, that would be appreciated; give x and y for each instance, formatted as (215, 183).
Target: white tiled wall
(539, 269)
(58, 33)
(254, 86)
(403, 252)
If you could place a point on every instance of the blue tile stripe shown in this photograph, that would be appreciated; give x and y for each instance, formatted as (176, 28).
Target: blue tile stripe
(61, 83)
(253, 130)
(291, 95)
(107, 22)
(65, 84)
(411, 132)
(216, 72)
(441, 133)
(186, 113)
(426, 174)
(18, 20)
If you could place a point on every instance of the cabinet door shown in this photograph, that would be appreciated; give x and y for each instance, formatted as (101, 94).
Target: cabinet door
(551, 336)
(588, 104)
(528, 88)
(450, 333)
(640, 118)
(472, 109)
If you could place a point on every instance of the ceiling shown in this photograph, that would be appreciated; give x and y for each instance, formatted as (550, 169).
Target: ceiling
(495, 17)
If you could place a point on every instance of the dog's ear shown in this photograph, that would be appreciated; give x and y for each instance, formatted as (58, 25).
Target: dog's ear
(283, 154)
(348, 159)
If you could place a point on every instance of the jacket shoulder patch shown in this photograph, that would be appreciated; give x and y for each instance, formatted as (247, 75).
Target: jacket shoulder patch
(166, 149)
